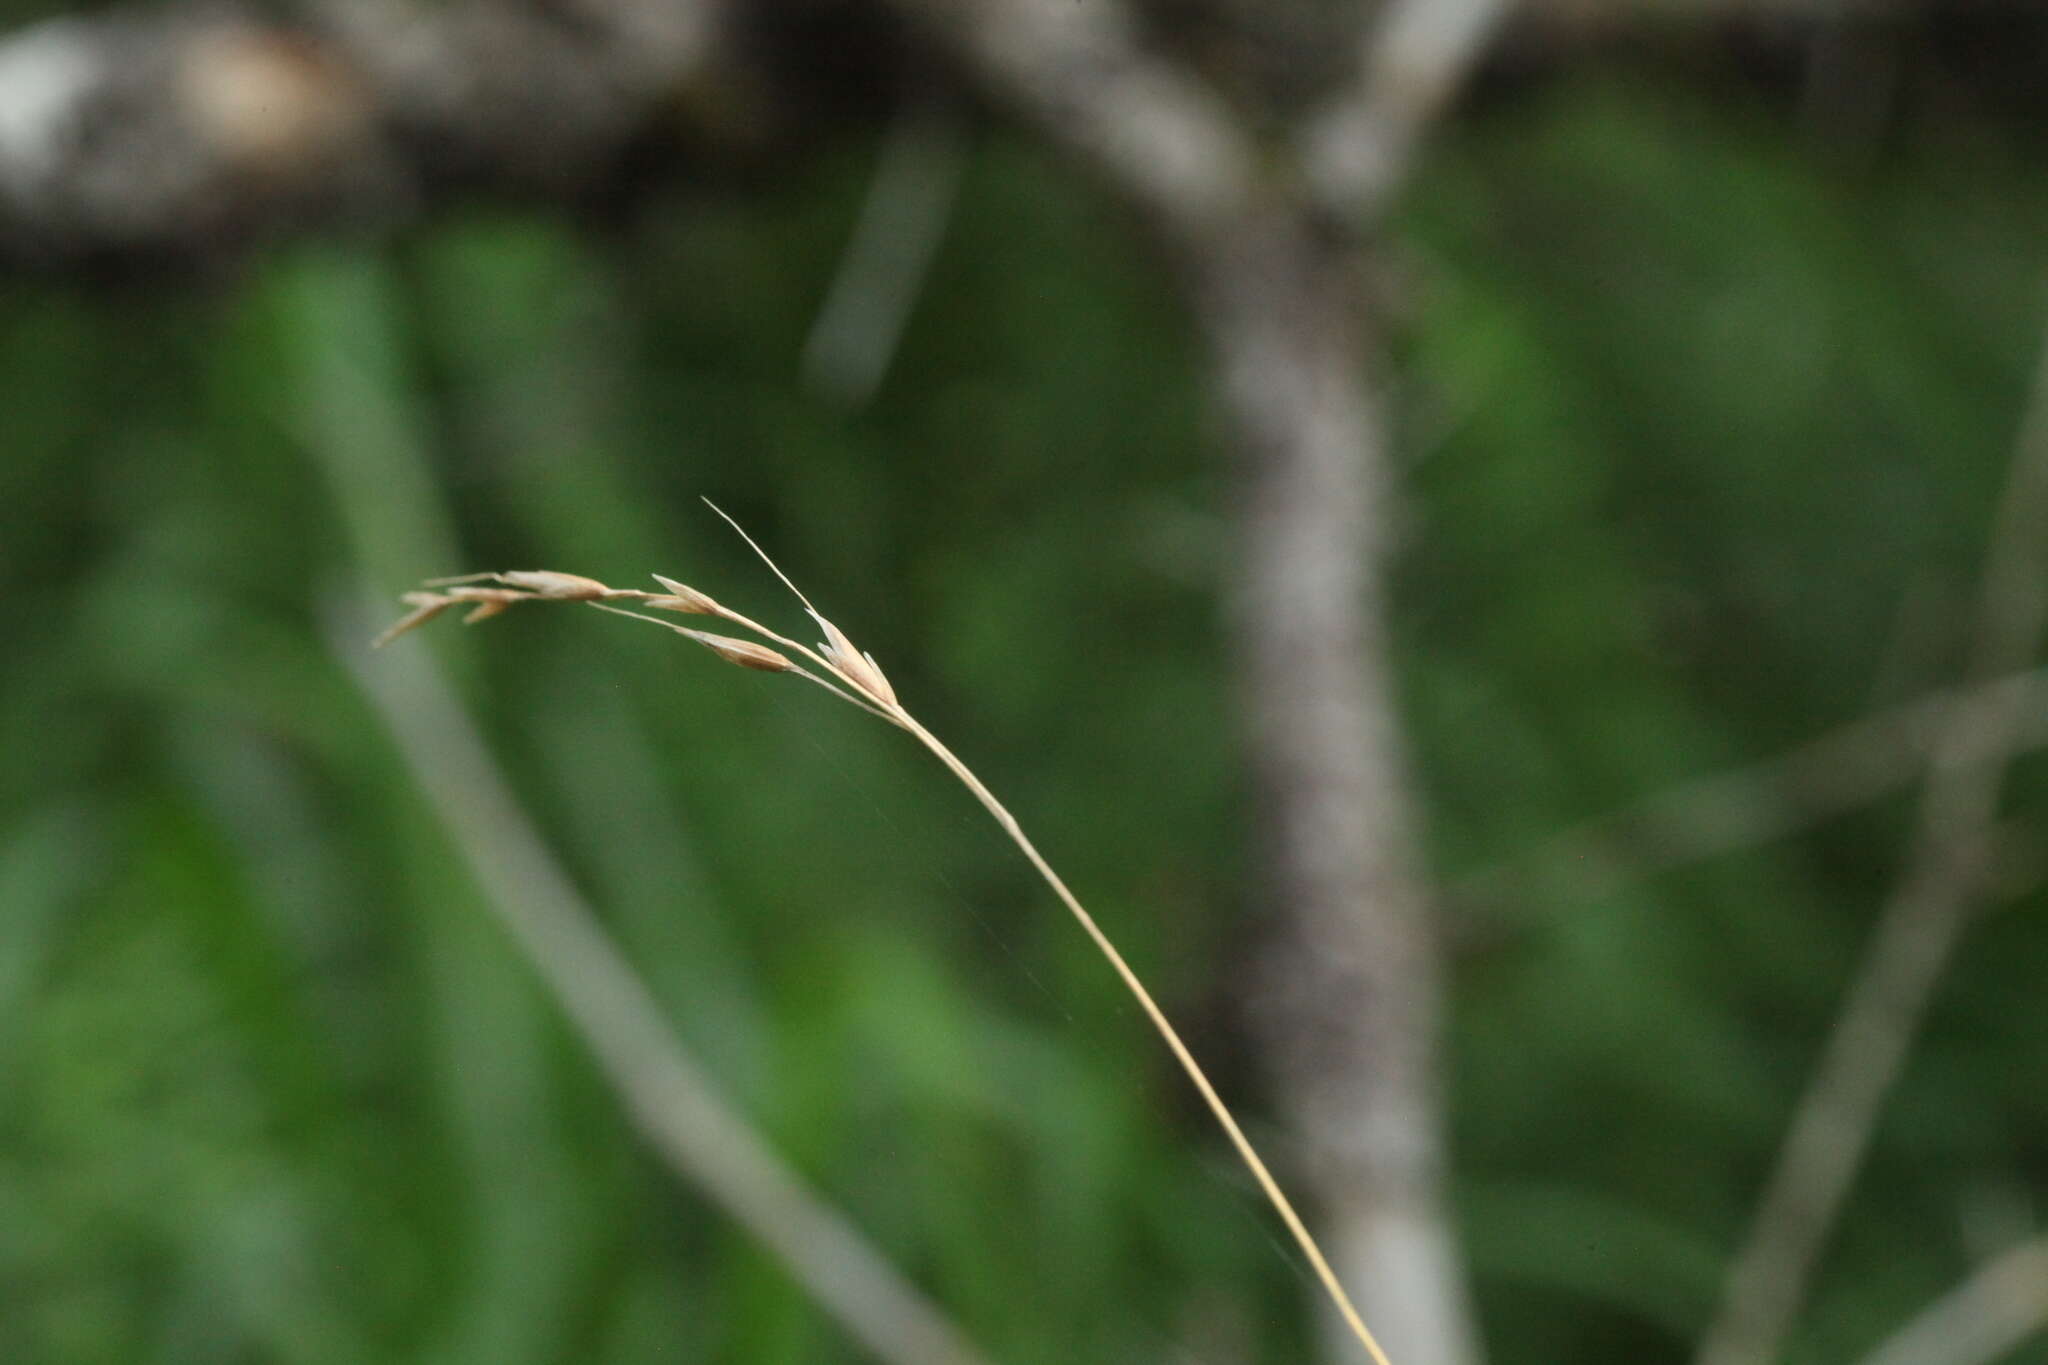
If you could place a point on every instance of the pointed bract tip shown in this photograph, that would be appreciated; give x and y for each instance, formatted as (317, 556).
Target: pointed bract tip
(745, 653)
(858, 667)
(556, 587)
(425, 607)
(683, 598)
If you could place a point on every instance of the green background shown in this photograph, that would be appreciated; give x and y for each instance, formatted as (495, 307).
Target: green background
(1702, 428)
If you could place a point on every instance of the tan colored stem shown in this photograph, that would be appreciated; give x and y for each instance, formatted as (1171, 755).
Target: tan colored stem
(860, 682)
(888, 708)
(1274, 1194)
(1983, 1319)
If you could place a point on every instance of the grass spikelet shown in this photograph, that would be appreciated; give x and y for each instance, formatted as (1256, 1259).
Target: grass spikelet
(684, 598)
(745, 653)
(425, 607)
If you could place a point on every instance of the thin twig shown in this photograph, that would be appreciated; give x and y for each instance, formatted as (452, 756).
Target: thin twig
(1849, 766)
(903, 219)
(2001, 1304)
(1166, 139)
(670, 1098)
(1915, 937)
(1412, 60)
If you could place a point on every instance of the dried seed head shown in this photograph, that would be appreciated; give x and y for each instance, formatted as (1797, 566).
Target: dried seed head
(859, 668)
(556, 587)
(683, 598)
(488, 603)
(486, 608)
(745, 653)
(485, 603)
(425, 607)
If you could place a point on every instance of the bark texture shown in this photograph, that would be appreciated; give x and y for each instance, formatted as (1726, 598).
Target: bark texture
(1348, 1001)
(207, 127)
(191, 131)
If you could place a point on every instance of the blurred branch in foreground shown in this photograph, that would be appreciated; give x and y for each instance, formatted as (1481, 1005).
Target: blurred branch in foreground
(1981, 1320)
(902, 221)
(1850, 766)
(193, 129)
(1915, 937)
(1411, 63)
(1348, 998)
(671, 1100)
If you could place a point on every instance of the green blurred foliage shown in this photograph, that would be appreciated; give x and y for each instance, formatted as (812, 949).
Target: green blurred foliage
(1703, 435)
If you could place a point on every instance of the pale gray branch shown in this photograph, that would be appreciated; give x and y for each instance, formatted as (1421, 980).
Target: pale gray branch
(901, 223)
(1988, 1315)
(193, 128)
(1915, 937)
(1412, 60)
(1078, 71)
(1844, 769)
(1348, 998)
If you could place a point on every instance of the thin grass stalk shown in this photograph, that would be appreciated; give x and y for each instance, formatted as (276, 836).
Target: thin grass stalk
(1245, 1151)
(855, 678)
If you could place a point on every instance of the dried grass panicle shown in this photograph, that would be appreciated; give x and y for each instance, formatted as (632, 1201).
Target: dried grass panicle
(425, 607)
(548, 585)
(483, 603)
(532, 585)
(853, 676)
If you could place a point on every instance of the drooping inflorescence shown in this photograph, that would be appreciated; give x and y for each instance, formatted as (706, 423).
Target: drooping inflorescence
(848, 673)
(853, 676)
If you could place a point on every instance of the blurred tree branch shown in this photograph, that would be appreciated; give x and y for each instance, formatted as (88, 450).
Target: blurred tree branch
(916, 179)
(192, 130)
(1411, 62)
(1348, 999)
(1849, 766)
(1164, 140)
(1915, 936)
(1983, 1319)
